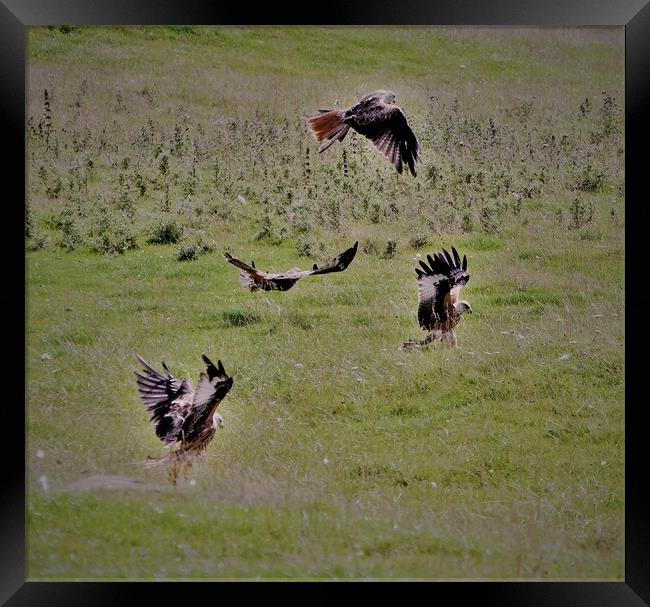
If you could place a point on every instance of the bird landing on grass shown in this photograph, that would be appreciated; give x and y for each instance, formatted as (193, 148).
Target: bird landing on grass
(439, 305)
(185, 419)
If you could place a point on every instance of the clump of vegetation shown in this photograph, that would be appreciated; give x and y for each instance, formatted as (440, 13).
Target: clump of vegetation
(66, 223)
(192, 250)
(608, 114)
(590, 179)
(269, 232)
(390, 249)
(238, 318)
(419, 240)
(370, 246)
(165, 231)
(581, 213)
(308, 246)
(111, 238)
(489, 219)
(466, 223)
(36, 241)
(54, 190)
(376, 212)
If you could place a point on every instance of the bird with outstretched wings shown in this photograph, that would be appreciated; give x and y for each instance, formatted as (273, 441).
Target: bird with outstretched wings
(183, 417)
(254, 279)
(376, 117)
(439, 305)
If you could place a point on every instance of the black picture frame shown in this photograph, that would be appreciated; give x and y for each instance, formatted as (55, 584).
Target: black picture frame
(16, 15)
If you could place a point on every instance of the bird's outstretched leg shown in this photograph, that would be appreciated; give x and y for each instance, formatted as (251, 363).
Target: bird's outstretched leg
(414, 344)
(452, 338)
(174, 464)
(186, 470)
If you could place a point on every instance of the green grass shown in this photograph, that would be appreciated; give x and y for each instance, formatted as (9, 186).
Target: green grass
(341, 456)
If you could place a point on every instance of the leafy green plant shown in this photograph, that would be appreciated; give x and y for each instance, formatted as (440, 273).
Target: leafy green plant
(165, 231)
(192, 250)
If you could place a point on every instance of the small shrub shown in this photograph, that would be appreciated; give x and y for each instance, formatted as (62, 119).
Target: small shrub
(370, 246)
(112, 240)
(466, 224)
(66, 222)
(419, 240)
(488, 220)
(432, 173)
(590, 179)
(390, 249)
(608, 112)
(188, 252)
(166, 231)
(163, 166)
(55, 189)
(269, 233)
(376, 213)
(36, 242)
(110, 232)
(125, 204)
(194, 249)
(581, 214)
(308, 246)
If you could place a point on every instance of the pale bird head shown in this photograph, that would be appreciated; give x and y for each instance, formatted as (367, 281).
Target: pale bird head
(462, 306)
(217, 421)
(389, 96)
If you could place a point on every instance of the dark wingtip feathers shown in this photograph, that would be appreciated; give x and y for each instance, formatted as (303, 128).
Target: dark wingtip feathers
(456, 256)
(444, 262)
(212, 367)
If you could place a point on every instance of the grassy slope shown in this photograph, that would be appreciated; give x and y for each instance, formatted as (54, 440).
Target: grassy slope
(341, 456)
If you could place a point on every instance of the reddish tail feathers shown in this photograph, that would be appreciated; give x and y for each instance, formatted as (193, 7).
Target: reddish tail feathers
(328, 128)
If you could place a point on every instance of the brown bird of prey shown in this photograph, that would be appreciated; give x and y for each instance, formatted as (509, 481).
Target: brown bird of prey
(184, 418)
(439, 306)
(377, 118)
(251, 277)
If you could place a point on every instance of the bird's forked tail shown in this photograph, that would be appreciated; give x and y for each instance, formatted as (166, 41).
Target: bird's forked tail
(328, 128)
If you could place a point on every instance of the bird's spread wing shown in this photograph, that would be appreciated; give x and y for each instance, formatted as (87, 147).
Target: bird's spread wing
(212, 388)
(439, 284)
(158, 392)
(254, 279)
(339, 263)
(249, 276)
(386, 126)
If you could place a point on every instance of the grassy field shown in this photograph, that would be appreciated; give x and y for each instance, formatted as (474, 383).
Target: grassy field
(153, 150)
